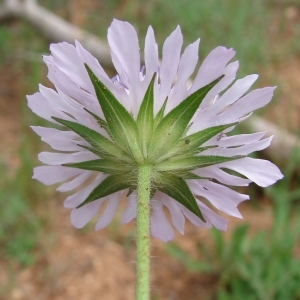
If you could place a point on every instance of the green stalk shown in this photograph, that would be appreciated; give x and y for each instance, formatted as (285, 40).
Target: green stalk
(143, 233)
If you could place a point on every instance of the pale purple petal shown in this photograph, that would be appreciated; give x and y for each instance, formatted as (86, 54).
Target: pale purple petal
(130, 211)
(206, 117)
(65, 57)
(76, 182)
(151, 55)
(169, 66)
(81, 216)
(65, 158)
(221, 202)
(224, 191)
(93, 63)
(260, 171)
(212, 67)
(110, 211)
(236, 140)
(221, 176)
(176, 214)
(237, 90)
(241, 150)
(229, 76)
(252, 101)
(124, 45)
(65, 84)
(123, 41)
(49, 175)
(80, 196)
(187, 66)
(193, 218)
(160, 225)
(49, 133)
(216, 220)
(59, 140)
(38, 104)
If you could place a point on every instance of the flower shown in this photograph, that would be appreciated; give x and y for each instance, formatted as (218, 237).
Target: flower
(107, 127)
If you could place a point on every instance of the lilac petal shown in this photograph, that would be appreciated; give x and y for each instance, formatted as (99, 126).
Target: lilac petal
(242, 150)
(93, 63)
(252, 101)
(224, 192)
(186, 68)
(221, 176)
(77, 198)
(49, 175)
(169, 66)
(65, 57)
(60, 100)
(151, 55)
(260, 171)
(236, 140)
(49, 133)
(65, 145)
(206, 117)
(38, 104)
(130, 211)
(50, 158)
(81, 216)
(70, 88)
(112, 206)
(216, 220)
(230, 74)
(123, 42)
(59, 140)
(221, 202)
(176, 214)
(124, 45)
(212, 67)
(80, 179)
(193, 218)
(237, 90)
(160, 225)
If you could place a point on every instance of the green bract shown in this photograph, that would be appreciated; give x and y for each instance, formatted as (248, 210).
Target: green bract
(157, 141)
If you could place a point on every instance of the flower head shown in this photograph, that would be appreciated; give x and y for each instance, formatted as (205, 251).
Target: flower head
(150, 115)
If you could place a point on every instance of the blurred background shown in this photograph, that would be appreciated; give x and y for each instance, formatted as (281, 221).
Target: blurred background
(43, 257)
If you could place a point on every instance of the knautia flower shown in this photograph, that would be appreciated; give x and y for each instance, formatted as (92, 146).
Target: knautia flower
(150, 115)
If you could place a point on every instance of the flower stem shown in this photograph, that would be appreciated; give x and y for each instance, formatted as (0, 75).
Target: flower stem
(143, 233)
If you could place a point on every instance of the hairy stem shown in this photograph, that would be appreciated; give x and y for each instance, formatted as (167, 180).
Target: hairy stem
(143, 234)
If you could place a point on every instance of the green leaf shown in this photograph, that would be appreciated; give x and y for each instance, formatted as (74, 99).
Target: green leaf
(145, 118)
(190, 143)
(192, 162)
(98, 152)
(121, 124)
(174, 124)
(108, 186)
(101, 122)
(159, 116)
(95, 139)
(197, 139)
(102, 165)
(178, 189)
